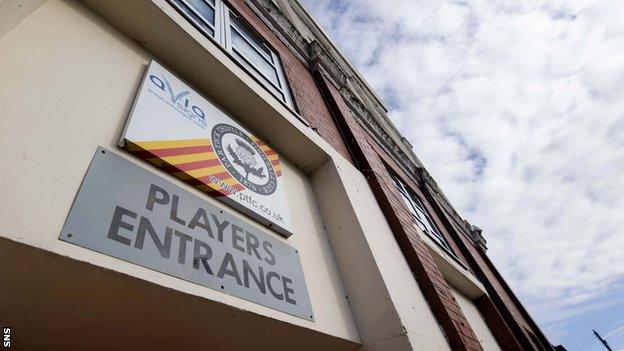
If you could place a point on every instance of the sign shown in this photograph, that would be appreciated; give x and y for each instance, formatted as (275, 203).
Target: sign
(174, 128)
(124, 211)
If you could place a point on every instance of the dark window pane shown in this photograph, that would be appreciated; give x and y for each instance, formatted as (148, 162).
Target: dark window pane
(199, 21)
(249, 35)
(252, 52)
(254, 58)
(417, 208)
(205, 10)
(278, 93)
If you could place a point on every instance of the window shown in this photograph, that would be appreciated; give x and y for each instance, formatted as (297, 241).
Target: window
(420, 214)
(217, 21)
(202, 13)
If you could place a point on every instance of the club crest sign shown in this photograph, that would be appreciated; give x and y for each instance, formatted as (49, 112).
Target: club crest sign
(177, 130)
(244, 159)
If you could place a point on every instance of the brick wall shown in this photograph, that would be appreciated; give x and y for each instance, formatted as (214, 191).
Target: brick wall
(430, 280)
(501, 331)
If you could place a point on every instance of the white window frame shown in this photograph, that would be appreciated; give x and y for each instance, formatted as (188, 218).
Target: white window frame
(215, 27)
(423, 218)
(223, 36)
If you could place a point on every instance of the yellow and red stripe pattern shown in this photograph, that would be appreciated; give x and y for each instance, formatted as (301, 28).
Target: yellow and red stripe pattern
(195, 162)
(271, 154)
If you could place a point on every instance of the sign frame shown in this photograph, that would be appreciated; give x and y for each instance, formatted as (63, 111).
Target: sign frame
(127, 212)
(173, 127)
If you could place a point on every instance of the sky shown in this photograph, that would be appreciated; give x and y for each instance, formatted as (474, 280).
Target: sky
(516, 108)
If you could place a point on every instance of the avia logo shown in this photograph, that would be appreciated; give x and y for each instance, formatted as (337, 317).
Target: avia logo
(173, 96)
(180, 100)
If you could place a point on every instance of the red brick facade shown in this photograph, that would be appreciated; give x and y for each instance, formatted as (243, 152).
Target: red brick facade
(320, 104)
(497, 325)
(435, 288)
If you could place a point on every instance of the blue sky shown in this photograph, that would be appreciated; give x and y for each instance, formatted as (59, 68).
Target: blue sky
(516, 108)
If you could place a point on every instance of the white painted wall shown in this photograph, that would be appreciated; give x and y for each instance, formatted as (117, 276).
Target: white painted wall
(387, 303)
(478, 324)
(12, 12)
(67, 82)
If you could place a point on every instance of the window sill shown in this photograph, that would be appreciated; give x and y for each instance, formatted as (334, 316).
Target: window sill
(447, 251)
(453, 271)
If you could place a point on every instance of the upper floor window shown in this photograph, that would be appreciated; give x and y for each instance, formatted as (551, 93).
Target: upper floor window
(202, 13)
(422, 216)
(217, 21)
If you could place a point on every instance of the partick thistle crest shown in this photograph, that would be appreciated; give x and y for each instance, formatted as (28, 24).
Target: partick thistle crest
(244, 159)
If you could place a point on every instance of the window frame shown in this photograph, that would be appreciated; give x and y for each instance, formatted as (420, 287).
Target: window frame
(217, 17)
(415, 205)
(276, 64)
(222, 35)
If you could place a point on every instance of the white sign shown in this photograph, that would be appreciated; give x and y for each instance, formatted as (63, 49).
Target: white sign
(176, 129)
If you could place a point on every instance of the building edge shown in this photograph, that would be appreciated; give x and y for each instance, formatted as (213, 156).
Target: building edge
(513, 330)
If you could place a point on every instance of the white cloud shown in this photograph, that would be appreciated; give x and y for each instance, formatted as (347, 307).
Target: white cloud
(517, 109)
(617, 330)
